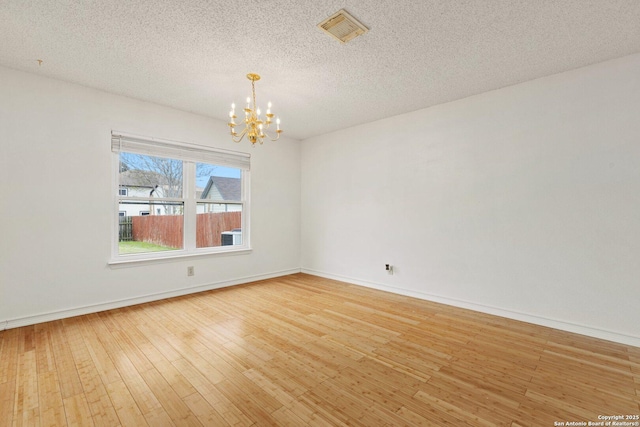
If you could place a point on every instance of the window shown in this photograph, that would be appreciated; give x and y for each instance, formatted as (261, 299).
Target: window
(179, 199)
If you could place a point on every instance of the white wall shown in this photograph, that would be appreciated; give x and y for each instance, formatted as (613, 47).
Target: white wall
(56, 202)
(524, 202)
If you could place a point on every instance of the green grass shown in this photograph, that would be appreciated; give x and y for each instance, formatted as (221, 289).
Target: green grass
(138, 247)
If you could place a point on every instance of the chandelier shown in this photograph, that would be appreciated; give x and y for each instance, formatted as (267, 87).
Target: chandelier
(254, 126)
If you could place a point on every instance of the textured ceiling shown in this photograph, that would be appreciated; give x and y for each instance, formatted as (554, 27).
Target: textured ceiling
(194, 54)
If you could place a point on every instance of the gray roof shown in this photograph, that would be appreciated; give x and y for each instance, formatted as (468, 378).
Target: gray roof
(229, 188)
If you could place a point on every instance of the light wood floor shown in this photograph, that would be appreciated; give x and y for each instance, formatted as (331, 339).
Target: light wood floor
(302, 350)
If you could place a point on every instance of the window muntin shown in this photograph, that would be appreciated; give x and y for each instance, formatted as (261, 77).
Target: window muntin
(165, 197)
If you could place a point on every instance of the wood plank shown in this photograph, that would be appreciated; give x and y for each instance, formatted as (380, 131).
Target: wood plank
(51, 406)
(452, 407)
(92, 376)
(77, 411)
(65, 365)
(175, 407)
(202, 383)
(8, 396)
(306, 414)
(44, 350)
(250, 407)
(8, 374)
(125, 406)
(26, 410)
(205, 413)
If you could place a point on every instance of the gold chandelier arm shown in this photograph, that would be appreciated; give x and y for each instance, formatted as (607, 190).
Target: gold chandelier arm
(239, 136)
(277, 135)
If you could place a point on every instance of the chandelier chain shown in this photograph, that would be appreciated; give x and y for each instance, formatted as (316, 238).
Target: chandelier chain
(253, 91)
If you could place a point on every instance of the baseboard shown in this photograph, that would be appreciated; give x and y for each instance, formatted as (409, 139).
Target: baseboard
(509, 314)
(94, 308)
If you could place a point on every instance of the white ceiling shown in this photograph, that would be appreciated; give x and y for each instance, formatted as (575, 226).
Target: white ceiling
(194, 54)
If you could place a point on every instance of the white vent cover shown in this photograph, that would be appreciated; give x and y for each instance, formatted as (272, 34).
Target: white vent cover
(342, 26)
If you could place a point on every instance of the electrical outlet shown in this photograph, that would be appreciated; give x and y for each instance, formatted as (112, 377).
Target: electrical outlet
(190, 271)
(389, 268)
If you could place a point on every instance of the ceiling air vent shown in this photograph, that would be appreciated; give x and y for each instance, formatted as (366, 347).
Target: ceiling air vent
(342, 26)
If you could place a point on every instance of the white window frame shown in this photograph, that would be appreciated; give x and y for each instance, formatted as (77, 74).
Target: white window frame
(190, 154)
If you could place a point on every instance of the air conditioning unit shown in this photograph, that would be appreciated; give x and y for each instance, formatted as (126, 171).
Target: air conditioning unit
(233, 237)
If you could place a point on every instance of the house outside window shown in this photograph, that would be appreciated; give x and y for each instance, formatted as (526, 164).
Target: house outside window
(177, 199)
(223, 190)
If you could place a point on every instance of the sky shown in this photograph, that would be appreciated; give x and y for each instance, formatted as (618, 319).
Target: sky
(201, 181)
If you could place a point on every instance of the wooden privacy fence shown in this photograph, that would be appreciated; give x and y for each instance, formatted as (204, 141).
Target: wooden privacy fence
(125, 229)
(163, 230)
(167, 230)
(209, 227)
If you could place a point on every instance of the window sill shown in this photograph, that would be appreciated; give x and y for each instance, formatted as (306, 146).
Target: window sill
(130, 262)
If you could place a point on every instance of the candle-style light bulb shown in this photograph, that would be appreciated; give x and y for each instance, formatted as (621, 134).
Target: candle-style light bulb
(248, 102)
(278, 123)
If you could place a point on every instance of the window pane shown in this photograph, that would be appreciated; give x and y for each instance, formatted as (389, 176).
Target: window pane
(218, 224)
(150, 227)
(149, 176)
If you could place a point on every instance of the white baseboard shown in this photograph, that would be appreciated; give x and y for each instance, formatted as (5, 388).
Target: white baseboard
(94, 308)
(509, 314)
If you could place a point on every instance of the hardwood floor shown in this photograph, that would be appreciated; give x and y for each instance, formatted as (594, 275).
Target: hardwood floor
(302, 350)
